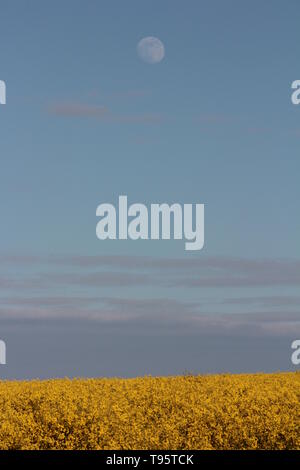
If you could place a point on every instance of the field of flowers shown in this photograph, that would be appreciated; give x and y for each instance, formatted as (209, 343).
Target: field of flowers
(258, 411)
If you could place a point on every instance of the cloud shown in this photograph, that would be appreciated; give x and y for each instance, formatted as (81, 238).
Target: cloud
(80, 110)
(98, 279)
(100, 309)
(49, 301)
(58, 279)
(202, 272)
(267, 301)
(155, 316)
(213, 119)
(192, 273)
(133, 93)
(217, 262)
(21, 283)
(39, 279)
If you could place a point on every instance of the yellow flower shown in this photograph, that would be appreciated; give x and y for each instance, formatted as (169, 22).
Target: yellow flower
(249, 411)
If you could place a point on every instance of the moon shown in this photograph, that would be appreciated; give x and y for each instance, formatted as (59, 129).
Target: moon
(151, 50)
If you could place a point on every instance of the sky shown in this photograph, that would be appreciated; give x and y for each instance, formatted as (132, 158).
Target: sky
(87, 120)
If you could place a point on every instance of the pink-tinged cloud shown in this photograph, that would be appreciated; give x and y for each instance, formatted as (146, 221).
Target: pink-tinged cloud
(78, 110)
(196, 273)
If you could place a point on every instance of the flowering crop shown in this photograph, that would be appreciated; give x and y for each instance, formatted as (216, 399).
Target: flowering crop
(257, 411)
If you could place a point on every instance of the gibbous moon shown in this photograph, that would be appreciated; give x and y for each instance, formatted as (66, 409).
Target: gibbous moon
(151, 50)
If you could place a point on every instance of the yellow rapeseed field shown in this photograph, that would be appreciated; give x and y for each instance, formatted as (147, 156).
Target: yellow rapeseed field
(257, 411)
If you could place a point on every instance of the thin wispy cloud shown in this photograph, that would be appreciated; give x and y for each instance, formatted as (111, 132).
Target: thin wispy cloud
(156, 316)
(267, 301)
(209, 272)
(102, 113)
(42, 288)
(78, 110)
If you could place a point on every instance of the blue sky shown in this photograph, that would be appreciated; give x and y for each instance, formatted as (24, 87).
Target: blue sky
(212, 123)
